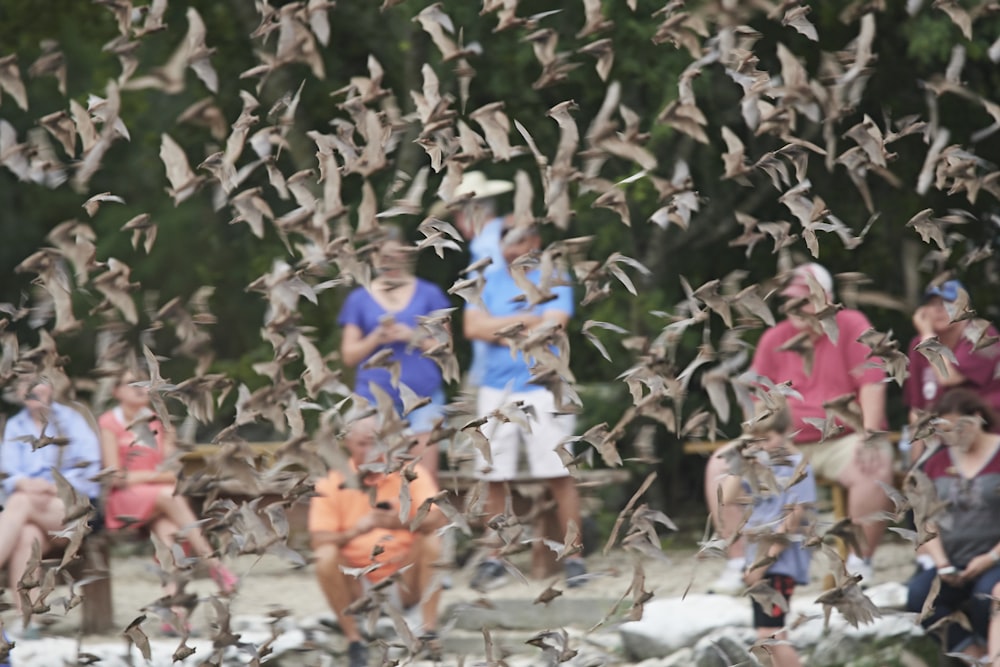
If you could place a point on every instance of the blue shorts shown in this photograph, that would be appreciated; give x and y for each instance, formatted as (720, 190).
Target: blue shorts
(971, 598)
(422, 419)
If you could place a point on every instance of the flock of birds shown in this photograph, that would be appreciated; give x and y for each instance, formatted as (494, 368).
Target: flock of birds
(330, 243)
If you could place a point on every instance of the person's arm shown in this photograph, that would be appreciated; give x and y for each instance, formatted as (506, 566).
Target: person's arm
(11, 460)
(339, 538)
(480, 325)
(558, 316)
(82, 459)
(355, 346)
(871, 398)
(109, 456)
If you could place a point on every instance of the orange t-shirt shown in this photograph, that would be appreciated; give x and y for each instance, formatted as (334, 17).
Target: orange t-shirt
(336, 508)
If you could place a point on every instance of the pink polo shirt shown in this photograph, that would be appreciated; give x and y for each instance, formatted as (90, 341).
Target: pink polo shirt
(837, 369)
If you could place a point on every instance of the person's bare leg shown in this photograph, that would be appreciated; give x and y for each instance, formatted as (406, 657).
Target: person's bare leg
(865, 497)
(567, 498)
(177, 509)
(728, 516)
(44, 510)
(418, 580)
(19, 557)
(496, 499)
(166, 530)
(339, 589)
(993, 633)
(782, 654)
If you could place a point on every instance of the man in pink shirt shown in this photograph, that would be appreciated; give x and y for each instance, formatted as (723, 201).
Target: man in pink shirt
(827, 370)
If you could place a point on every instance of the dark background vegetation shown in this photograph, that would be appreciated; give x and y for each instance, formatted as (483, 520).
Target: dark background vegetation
(198, 247)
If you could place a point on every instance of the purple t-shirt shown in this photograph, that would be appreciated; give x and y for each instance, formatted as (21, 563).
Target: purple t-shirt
(417, 372)
(979, 367)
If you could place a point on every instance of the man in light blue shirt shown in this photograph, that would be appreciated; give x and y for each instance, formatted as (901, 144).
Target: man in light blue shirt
(32, 510)
(507, 379)
(480, 224)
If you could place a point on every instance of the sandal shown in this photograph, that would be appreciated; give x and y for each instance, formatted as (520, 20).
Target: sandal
(225, 579)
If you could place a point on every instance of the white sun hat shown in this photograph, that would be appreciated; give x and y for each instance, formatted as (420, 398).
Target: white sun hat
(475, 185)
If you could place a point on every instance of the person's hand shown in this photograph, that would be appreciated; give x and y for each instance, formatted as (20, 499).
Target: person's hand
(976, 567)
(400, 333)
(923, 322)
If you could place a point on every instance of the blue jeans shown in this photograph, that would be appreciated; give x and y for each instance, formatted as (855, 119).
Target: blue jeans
(971, 598)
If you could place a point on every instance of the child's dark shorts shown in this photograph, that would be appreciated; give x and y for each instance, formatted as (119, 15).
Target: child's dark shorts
(776, 619)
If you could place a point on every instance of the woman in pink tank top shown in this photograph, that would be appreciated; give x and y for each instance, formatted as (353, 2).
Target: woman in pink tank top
(135, 443)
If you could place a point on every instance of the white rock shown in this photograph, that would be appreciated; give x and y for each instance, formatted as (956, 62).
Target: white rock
(654, 662)
(891, 624)
(670, 624)
(890, 595)
(681, 658)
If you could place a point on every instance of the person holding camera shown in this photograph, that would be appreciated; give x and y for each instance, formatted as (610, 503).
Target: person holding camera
(357, 521)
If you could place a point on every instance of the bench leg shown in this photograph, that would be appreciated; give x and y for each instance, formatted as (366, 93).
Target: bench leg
(98, 608)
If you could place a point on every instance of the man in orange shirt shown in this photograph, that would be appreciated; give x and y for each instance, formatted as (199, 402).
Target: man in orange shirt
(360, 528)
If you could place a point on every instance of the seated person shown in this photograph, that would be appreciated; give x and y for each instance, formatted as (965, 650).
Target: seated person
(976, 368)
(784, 510)
(135, 443)
(966, 552)
(33, 509)
(360, 528)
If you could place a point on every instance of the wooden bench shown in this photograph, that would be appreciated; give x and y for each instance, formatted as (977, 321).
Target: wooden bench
(530, 493)
(838, 496)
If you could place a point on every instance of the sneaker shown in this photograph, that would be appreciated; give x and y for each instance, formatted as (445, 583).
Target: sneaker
(576, 572)
(357, 654)
(863, 566)
(730, 581)
(430, 646)
(225, 579)
(489, 574)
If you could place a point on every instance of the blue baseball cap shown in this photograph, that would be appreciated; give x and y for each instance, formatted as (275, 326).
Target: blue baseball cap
(948, 290)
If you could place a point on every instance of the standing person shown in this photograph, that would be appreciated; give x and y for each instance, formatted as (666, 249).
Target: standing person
(135, 443)
(480, 224)
(386, 317)
(33, 510)
(827, 370)
(507, 379)
(966, 547)
(975, 369)
(359, 527)
(781, 563)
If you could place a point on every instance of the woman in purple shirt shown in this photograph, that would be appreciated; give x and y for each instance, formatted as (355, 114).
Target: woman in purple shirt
(386, 316)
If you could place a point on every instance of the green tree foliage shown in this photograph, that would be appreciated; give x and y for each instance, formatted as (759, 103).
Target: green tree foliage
(198, 247)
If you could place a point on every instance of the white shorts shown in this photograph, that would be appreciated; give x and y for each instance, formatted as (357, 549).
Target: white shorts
(548, 431)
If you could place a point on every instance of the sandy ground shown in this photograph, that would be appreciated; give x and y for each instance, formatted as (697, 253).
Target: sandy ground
(268, 583)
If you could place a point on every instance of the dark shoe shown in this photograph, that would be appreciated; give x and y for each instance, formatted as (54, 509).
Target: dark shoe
(489, 574)
(576, 572)
(357, 654)
(430, 647)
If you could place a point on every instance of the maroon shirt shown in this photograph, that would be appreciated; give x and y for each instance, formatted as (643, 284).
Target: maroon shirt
(979, 368)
